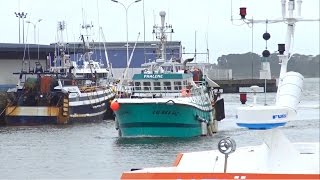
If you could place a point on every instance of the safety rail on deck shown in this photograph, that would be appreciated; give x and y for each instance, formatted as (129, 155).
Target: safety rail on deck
(160, 91)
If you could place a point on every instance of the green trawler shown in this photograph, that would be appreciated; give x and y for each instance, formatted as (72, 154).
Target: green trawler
(166, 100)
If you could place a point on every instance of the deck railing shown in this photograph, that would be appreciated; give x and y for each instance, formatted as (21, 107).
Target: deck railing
(160, 91)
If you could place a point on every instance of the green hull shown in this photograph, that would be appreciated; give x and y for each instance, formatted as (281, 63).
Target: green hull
(160, 120)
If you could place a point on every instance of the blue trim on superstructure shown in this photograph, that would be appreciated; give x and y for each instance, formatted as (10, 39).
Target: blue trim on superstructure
(261, 126)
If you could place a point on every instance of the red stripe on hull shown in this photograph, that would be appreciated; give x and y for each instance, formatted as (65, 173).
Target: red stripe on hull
(216, 176)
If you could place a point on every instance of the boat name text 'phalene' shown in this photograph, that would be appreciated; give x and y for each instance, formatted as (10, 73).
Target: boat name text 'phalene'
(153, 76)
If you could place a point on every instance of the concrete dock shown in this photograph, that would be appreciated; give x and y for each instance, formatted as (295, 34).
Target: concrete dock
(233, 86)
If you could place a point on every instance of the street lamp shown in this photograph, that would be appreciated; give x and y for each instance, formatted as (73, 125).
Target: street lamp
(126, 8)
(23, 16)
(34, 29)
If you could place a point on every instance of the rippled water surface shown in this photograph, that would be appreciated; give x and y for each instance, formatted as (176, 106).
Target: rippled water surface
(92, 151)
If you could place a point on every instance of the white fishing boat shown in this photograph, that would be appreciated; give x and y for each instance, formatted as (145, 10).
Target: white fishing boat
(275, 158)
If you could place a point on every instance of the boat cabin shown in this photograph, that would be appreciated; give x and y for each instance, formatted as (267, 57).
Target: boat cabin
(160, 85)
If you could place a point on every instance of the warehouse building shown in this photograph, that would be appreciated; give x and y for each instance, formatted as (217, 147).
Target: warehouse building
(17, 57)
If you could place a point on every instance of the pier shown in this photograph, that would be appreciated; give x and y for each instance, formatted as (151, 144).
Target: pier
(234, 85)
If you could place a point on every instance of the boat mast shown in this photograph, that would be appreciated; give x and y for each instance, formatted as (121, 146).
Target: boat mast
(161, 34)
(60, 43)
(85, 40)
(290, 21)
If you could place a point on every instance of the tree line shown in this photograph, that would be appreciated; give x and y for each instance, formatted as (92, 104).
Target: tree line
(248, 65)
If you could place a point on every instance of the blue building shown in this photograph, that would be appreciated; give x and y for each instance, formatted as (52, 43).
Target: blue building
(16, 57)
(117, 52)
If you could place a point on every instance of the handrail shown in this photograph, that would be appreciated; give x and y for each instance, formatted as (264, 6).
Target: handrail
(149, 91)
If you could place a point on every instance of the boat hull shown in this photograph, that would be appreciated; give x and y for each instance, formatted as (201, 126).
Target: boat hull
(26, 116)
(160, 119)
(94, 109)
(95, 112)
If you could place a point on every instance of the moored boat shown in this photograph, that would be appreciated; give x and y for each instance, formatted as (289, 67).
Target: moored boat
(66, 92)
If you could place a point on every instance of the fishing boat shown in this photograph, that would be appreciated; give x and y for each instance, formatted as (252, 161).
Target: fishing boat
(66, 92)
(275, 158)
(165, 101)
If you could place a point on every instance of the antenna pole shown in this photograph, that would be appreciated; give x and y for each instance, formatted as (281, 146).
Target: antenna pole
(231, 12)
(195, 46)
(144, 33)
(208, 49)
(160, 33)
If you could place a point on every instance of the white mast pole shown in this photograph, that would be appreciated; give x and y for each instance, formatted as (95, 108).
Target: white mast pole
(290, 30)
(283, 3)
(162, 35)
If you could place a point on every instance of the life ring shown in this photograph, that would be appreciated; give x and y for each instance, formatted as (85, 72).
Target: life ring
(73, 82)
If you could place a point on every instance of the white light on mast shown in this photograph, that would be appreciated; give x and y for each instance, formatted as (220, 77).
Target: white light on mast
(299, 2)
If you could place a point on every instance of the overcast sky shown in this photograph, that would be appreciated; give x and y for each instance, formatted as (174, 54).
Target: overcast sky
(206, 17)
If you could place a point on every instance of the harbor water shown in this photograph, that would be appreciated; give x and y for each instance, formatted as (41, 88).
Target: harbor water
(94, 151)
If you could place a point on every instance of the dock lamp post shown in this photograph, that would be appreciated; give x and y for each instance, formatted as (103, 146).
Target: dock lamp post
(34, 29)
(126, 9)
(20, 15)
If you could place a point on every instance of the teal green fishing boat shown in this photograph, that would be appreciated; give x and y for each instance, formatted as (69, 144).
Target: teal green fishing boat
(166, 100)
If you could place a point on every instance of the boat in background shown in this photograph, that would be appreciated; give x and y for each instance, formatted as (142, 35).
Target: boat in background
(276, 158)
(66, 92)
(165, 101)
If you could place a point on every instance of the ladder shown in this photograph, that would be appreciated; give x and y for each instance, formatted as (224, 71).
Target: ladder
(65, 107)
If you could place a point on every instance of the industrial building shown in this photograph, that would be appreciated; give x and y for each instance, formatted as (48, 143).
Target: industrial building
(17, 57)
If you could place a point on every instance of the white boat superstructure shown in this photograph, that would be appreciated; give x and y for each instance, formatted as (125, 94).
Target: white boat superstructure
(262, 159)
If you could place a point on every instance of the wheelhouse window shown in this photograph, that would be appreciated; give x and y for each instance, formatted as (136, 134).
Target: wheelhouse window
(184, 84)
(157, 86)
(137, 85)
(146, 85)
(177, 85)
(167, 85)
